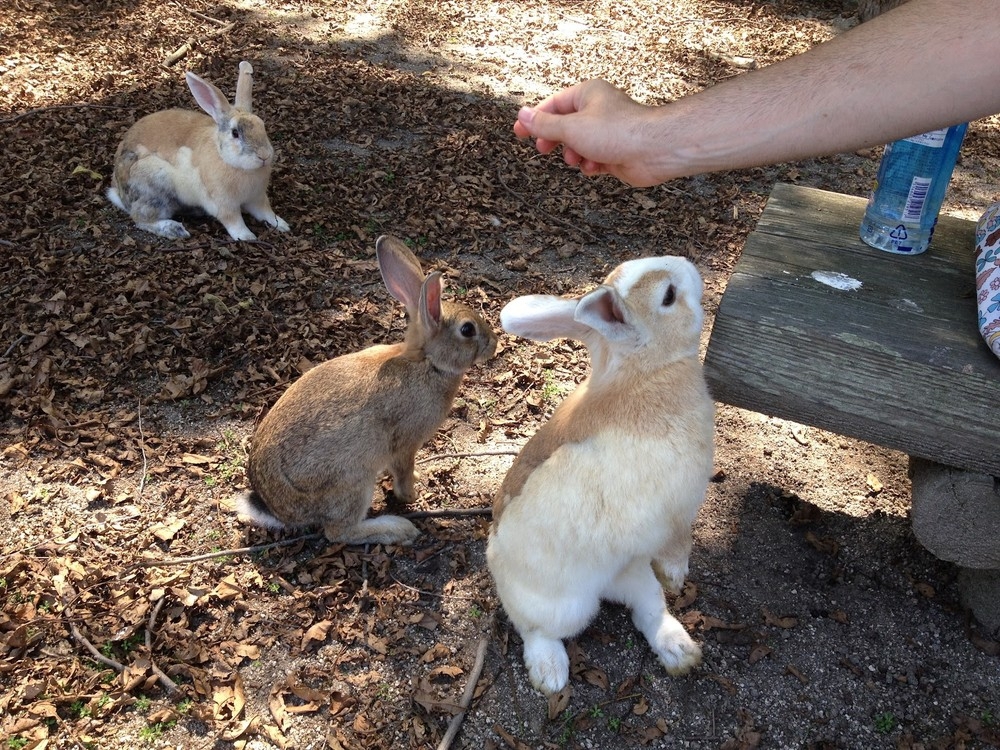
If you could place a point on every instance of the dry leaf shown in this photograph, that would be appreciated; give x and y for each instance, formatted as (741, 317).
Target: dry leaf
(759, 652)
(316, 632)
(825, 545)
(435, 652)
(781, 621)
(789, 669)
(597, 677)
(168, 529)
(559, 702)
(446, 670)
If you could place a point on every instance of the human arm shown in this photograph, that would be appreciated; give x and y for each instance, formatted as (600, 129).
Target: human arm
(926, 64)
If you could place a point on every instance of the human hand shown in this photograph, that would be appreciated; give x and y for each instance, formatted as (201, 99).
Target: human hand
(600, 128)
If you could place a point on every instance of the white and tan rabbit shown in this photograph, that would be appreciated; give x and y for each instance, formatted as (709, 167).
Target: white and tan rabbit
(316, 456)
(599, 503)
(180, 161)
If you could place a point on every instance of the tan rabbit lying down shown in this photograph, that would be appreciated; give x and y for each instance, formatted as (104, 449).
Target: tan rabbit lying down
(180, 161)
(317, 454)
(599, 503)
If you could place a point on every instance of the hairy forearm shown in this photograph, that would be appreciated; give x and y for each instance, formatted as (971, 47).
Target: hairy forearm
(925, 65)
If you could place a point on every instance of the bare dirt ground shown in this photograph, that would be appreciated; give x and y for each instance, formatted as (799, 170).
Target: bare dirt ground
(133, 370)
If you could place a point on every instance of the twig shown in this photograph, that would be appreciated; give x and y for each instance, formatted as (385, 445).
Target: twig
(468, 455)
(82, 640)
(454, 512)
(470, 690)
(190, 44)
(142, 449)
(202, 16)
(225, 552)
(169, 685)
(17, 342)
(38, 110)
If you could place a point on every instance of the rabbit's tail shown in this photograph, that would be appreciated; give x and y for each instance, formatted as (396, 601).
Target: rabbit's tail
(251, 504)
(112, 194)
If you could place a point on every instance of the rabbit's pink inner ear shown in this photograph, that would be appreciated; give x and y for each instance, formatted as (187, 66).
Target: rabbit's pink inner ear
(602, 311)
(209, 98)
(430, 299)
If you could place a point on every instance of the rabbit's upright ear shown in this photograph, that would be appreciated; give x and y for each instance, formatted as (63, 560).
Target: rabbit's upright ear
(244, 87)
(209, 98)
(602, 310)
(429, 310)
(542, 317)
(400, 270)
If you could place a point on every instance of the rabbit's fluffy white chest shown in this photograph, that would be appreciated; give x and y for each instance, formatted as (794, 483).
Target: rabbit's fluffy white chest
(595, 506)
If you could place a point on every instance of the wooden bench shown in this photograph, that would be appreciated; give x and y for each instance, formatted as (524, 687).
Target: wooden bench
(818, 328)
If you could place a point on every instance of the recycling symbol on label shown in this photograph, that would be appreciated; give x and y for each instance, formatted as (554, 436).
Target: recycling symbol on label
(899, 233)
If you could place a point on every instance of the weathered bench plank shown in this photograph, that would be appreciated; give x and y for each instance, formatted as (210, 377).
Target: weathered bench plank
(898, 362)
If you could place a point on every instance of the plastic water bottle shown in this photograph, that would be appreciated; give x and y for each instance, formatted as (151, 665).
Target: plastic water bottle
(909, 189)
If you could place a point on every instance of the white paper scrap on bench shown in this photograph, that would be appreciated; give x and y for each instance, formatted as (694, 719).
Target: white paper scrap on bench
(837, 280)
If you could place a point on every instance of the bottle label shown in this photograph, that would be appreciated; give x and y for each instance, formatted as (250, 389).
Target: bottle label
(933, 139)
(916, 198)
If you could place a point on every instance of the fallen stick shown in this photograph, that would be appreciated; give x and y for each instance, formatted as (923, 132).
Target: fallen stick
(225, 552)
(98, 656)
(507, 452)
(453, 513)
(190, 44)
(470, 691)
(168, 684)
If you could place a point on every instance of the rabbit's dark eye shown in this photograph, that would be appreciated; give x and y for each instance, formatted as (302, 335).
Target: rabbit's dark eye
(670, 296)
(468, 330)
(236, 134)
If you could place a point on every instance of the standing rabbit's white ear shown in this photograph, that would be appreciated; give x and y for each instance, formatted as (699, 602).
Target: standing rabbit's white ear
(400, 270)
(603, 311)
(244, 87)
(209, 98)
(542, 317)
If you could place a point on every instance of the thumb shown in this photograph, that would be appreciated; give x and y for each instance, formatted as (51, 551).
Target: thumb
(540, 124)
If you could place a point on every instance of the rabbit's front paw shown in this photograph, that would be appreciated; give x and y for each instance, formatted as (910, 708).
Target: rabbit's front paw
(238, 229)
(547, 663)
(280, 224)
(244, 235)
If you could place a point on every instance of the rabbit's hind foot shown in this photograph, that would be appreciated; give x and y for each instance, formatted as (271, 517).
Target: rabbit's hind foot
(165, 228)
(378, 530)
(547, 662)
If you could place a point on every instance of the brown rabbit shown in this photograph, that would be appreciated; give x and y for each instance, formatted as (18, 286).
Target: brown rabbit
(318, 452)
(180, 161)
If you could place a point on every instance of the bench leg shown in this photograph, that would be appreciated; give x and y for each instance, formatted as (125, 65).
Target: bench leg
(956, 516)
(980, 591)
